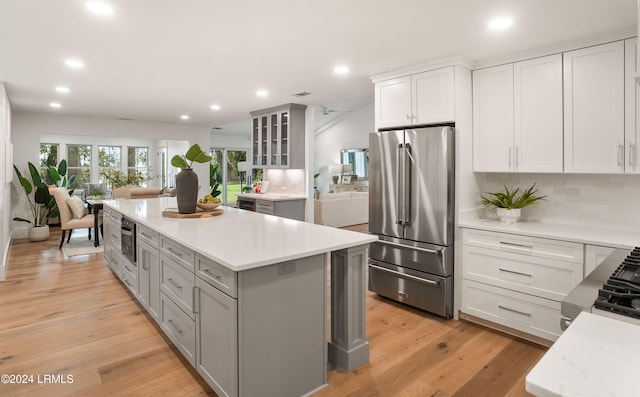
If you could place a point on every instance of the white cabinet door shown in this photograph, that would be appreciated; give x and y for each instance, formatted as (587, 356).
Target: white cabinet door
(493, 119)
(631, 100)
(217, 339)
(538, 114)
(594, 109)
(432, 96)
(393, 102)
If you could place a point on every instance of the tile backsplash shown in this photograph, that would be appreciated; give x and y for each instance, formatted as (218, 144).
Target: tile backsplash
(285, 181)
(589, 200)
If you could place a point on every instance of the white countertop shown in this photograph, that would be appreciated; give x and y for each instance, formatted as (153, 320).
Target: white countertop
(595, 356)
(272, 196)
(239, 239)
(618, 238)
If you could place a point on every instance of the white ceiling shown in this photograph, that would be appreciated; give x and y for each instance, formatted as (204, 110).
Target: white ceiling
(155, 60)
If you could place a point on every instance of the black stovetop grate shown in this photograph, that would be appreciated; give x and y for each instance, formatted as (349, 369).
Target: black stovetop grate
(621, 293)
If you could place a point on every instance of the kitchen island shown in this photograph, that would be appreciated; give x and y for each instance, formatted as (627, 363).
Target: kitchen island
(243, 295)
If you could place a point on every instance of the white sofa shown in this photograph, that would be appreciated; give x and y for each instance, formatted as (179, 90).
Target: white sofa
(342, 209)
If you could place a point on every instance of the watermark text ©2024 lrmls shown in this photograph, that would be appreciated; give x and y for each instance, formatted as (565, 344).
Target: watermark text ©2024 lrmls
(38, 378)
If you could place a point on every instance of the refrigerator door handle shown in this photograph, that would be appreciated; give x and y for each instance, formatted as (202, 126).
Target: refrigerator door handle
(400, 194)
(408, 160)
(404, 275)
(427, 250)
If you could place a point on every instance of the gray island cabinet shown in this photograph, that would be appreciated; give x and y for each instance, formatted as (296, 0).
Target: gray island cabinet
(243, 296)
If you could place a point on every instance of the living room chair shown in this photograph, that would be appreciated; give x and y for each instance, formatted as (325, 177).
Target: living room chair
(72, 219)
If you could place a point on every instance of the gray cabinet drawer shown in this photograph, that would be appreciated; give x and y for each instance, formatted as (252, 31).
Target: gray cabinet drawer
(130, 276)
(116, 261)
(179, 327)
(149, 236)
(217, 275)
(177, 283)
(179, 253)
(265, 207)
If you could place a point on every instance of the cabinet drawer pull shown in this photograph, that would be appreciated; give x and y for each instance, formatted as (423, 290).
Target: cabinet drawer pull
(514, 272)
(196, 304)
(146, 235)
(126, 281)
(509, 158)
(176, 253)
(175, 328)
(517, 245)
(514, 310)
(216, 276)
(172, 282)
(620, 155)
(127, 268)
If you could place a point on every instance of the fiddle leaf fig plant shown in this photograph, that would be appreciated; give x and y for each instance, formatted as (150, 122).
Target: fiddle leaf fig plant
(194, 153)
(41, 203)
(509, 199)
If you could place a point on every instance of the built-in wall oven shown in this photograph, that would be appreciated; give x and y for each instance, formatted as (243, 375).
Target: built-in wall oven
(128, 238)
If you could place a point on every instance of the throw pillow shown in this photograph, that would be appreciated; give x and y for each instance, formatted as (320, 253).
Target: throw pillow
(76, 206)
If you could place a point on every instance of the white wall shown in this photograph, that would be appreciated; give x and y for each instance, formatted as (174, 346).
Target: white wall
(5, 176)
(27, 128)
(340, 131)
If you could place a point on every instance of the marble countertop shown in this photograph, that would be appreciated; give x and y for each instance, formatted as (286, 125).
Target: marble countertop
(240, 239)
(272, 196)
(618, 238)
(595, 356)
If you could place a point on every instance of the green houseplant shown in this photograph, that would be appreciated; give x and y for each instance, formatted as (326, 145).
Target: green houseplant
(509, 203)
(41, 203)
(187, 179)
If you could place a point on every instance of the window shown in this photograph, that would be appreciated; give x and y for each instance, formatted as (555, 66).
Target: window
(227, 161)
(138, 165)
(109, 162)
(48, 158)
(79, 164)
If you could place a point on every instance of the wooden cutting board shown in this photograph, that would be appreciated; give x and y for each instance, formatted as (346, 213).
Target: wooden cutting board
(200, 213)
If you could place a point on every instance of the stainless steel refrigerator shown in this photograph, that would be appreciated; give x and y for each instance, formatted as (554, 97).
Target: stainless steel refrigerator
(411, 209)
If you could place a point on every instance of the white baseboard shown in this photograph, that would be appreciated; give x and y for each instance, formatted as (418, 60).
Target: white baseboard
(5, 257)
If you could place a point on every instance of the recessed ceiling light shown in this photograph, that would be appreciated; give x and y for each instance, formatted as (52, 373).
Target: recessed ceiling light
(100, 8)
(215, 107)
(63, 90)
(184, 117)
(500, 23)
(55, 105)
(262, 93)
(74, 63)
(341, 69)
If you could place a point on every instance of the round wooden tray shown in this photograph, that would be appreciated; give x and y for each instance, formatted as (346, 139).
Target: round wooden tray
(200, 213)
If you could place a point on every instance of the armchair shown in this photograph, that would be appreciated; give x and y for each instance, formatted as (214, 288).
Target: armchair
(69, 221)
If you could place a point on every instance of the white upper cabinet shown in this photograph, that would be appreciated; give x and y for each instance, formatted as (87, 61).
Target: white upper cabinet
(517, 117)
(631, 100)
(422, 98)
(537, 85)
(594, 109)
(493, 119)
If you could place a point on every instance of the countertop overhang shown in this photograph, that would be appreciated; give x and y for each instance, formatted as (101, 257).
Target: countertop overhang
(239, 239)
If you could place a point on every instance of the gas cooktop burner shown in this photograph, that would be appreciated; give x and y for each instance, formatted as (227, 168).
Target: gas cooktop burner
(621, 293)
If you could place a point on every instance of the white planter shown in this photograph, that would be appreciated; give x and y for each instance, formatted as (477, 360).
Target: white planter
(509, 216)
(39, 233)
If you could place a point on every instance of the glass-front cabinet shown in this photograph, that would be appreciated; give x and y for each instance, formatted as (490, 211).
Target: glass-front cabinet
(278, 137)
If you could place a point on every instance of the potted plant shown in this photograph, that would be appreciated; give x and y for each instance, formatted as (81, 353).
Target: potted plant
(187, 179)
(42, 204)
(509, 203)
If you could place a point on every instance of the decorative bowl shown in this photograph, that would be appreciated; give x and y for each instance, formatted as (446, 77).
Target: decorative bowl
(208, 207)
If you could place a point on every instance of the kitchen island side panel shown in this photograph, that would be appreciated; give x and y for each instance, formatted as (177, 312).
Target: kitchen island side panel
(282, 332)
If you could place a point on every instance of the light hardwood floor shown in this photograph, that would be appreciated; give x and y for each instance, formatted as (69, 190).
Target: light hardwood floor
(71, 316)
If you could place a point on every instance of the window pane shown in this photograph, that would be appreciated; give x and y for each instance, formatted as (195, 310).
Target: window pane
(48, 158)
(233, 176)
(109, 160)
(137, 165)
(79, 164)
